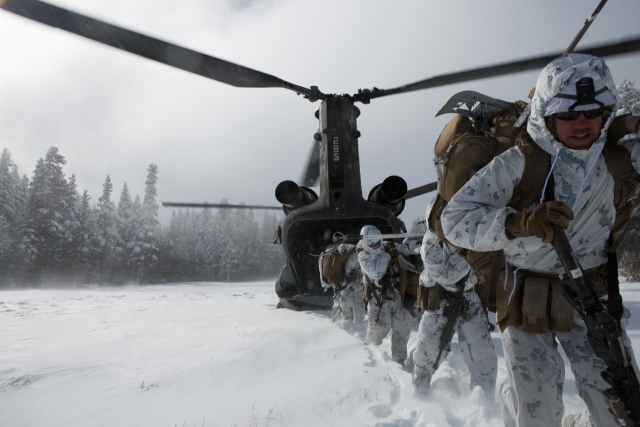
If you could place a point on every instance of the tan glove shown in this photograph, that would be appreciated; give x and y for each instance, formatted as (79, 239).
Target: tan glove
(538, 221)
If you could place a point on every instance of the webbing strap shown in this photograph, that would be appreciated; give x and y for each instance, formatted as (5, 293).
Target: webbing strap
(562, 95)
(528, 189)
(496, 265)
(625, 179)
(526, 192)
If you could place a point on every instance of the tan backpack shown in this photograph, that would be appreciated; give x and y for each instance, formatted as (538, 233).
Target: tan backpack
(333, 264)
(464, 150)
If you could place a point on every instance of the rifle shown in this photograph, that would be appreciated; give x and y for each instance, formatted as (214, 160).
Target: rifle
(455, 307)
(354, 238)
(605, 336)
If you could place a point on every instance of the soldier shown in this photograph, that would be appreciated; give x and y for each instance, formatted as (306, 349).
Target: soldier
(586, 191)
(388, 311)
(447, 276)
(342, 262)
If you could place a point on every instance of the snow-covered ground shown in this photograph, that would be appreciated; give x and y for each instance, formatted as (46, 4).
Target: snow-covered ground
(211, 354)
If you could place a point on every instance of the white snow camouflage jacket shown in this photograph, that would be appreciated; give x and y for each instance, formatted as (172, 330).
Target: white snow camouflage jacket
(442, 264)
(475, 216)
(374, 262)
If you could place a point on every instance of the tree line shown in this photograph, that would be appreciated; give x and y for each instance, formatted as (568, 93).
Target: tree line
(50, 233)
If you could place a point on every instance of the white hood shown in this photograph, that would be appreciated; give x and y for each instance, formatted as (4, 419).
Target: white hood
(556, 77)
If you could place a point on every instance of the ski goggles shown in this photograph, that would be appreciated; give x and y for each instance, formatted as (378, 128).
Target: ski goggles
(573, 115)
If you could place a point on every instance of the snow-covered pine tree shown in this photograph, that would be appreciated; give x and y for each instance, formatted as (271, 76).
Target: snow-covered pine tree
(72, 262)
(226, 237)
(9, 188)
(6, 252)
(629, 98)
(109, 241)
(207, 248)
(85, 240)
(166, 258)
(629, 251)
(22, 195)
(126, 225)
(249, 246)
(144, 250)
(13, 196)
(43, 234)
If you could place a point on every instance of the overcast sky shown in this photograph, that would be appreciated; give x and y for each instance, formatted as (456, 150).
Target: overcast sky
(112, 113)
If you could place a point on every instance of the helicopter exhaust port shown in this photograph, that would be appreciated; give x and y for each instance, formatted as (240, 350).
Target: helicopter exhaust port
(390, 193)
(293, 196)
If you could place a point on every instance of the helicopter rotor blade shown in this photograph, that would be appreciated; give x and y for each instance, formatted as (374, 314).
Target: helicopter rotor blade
(151, 48)
(311, 173)
(217, 206)
(618, 48)
(419, 191)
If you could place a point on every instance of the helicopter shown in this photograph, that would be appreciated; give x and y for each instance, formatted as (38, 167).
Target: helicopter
(311, 219)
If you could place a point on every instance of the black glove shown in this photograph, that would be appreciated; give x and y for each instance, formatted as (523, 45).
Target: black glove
(614, 307)
(385, 282)
(409, 301)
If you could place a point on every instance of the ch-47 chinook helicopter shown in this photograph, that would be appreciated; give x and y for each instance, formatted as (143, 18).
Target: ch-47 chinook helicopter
(311, 219)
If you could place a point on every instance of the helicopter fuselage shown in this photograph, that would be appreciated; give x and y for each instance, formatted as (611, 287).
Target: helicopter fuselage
(308, 230)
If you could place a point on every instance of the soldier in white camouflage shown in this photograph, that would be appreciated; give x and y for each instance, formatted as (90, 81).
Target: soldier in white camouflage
(386, 306)
(348, 303)
(444, 272)
(532, 315)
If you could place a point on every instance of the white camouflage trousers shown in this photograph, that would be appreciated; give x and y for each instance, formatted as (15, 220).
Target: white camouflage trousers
(475, 342)
(532, 392)
(391, 317)
(348, 305)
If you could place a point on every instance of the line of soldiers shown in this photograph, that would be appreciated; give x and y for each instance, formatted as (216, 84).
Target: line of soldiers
(502, 190)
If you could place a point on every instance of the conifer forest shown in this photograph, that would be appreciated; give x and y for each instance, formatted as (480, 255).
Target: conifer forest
(52, 234)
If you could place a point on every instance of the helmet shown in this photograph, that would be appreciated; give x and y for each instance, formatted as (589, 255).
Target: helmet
(370, 235)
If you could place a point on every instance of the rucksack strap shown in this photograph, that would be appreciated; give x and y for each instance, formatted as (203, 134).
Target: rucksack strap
(528, 190)
(625, 178)
(525, 193)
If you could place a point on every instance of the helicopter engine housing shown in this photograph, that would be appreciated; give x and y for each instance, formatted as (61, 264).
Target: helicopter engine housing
(390, 193)
(293, 196)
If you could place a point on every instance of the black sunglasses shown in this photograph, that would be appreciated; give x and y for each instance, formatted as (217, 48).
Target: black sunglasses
(573, 115)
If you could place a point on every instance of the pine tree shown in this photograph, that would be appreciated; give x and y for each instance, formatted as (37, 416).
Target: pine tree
(43, 232)
(206, 246)
(144, 255)
(226, 235)
(73, 264)
(126, 226)
(629, 103)
(85, 239)
(108, 238)
(6, 251)
(9, 188)
(629, 98)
